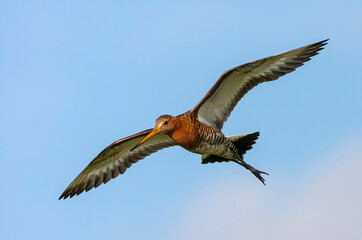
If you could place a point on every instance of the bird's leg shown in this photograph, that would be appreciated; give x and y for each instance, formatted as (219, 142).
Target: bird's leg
(255, 171)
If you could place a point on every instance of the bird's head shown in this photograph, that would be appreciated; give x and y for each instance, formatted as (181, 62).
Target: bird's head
(164, 124)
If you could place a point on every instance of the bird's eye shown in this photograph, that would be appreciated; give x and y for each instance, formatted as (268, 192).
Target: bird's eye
(165, 122)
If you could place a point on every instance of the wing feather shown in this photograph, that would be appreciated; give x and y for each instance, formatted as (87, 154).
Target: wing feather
(114, 160)
(217, 104)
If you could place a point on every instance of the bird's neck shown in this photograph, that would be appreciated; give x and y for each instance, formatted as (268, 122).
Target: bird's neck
(185, 132)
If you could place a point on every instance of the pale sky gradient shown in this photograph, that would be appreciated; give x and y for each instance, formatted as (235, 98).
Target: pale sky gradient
(324, 204)
(77, 75)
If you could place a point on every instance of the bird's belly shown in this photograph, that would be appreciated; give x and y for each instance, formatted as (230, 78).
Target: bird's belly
(214, 149)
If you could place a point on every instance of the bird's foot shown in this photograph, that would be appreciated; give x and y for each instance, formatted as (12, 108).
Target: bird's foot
(257, 173)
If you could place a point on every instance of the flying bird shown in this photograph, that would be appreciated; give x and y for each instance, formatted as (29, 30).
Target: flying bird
(198, 130)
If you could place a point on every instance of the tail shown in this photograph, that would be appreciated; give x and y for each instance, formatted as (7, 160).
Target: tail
(242, 142)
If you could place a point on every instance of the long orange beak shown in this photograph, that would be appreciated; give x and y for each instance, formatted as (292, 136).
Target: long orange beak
(151, 134)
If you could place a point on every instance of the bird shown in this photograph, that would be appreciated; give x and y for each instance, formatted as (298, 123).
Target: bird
(199, 129)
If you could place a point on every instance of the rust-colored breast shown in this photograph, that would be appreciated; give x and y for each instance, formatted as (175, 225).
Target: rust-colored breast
(185, 133)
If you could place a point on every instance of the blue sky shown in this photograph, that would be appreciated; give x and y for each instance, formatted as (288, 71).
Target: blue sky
(76, 76)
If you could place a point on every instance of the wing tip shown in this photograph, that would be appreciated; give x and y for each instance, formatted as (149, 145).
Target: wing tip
(79, 186)
(67, 193)
(63, 196)
(325, 41)
(75, 188)
(320, 45)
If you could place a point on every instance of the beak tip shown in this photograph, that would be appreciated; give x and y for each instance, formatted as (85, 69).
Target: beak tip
(134, 147)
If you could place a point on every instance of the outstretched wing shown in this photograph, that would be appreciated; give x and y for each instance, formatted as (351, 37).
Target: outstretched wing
(114, 160)
(217, 104)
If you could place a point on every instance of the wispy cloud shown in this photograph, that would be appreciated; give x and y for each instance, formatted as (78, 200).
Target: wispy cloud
(327, 204)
